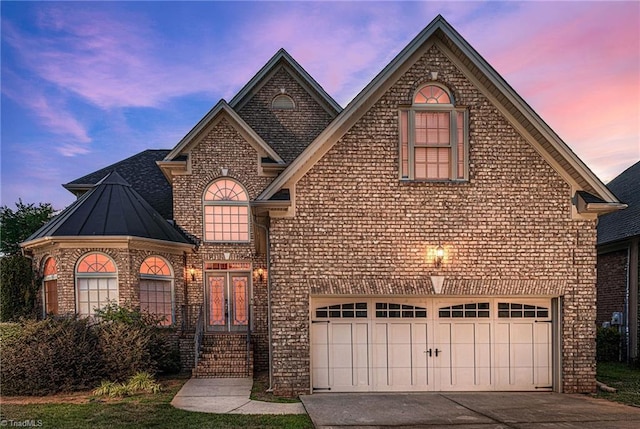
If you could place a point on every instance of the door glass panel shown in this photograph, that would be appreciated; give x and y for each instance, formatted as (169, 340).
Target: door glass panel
(216, 300)
(240, 289)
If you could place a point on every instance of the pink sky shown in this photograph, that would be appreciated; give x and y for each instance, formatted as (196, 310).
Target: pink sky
(88, 84)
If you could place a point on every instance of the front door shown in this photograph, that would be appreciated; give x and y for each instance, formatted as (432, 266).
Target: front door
(227, 301)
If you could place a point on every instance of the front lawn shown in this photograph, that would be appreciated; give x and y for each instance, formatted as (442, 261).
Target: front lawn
(148, 411)
(623, 377)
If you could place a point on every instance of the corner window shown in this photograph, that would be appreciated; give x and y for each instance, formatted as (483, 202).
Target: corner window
(96, 282)
(156, 291)
(226, 212)
(433, 137)
(50, 286)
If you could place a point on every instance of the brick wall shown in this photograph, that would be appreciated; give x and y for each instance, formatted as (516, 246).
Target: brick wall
(355, 219)
(612, 284)
(287, 131)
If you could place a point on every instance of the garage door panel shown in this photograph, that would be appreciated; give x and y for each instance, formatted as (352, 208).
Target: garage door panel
(320, 355)
(419, 355)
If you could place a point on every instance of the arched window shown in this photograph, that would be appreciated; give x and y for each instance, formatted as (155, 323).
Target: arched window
(433, 137)
(283, 102)
(156, 288)
(226, 212)
(50, 286)
(96, 282)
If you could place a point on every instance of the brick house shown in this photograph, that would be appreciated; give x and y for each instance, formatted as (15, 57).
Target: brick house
(618, 265)
(435, 234)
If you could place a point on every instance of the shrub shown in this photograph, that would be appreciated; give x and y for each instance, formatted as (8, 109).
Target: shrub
(142, 382)
(608, 344)
(50, 356)
(125, 349)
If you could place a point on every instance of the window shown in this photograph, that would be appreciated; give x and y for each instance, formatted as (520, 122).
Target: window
(282, 102)
(156, 296)
(433, 137)
(226, 212)
(97, 283)
(480, 309)
(50, 287)
(353, 309)
(391, 310)
(514, 310)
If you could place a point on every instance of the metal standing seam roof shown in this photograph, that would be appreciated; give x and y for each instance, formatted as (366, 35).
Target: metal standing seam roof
(111, 208)
(623, 224)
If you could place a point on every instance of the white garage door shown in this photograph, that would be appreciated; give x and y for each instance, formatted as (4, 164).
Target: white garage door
(431, 345)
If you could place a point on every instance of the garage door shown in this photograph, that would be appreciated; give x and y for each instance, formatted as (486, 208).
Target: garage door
(431, 345)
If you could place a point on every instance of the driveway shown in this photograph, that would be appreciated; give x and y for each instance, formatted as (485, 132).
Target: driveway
(467, 410)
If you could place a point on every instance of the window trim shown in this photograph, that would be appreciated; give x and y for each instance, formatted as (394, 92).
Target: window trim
(453, 112)
(221, 203)
(170, 278)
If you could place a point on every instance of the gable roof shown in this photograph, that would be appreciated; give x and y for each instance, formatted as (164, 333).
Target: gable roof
(515, 109)
(110, 209)
(144, 175)
(626, 223)
(282, 57)
(222, 108)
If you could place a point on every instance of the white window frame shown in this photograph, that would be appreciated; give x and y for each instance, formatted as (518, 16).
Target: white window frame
(91, 276)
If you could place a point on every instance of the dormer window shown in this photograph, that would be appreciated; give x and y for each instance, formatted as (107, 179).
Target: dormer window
(433, 137)
(283, 102)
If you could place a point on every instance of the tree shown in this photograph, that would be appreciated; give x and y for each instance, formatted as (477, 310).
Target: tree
(16, 226)
(18, 282)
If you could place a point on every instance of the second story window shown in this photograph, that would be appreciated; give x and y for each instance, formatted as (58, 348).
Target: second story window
(433, 137)
(226, 212)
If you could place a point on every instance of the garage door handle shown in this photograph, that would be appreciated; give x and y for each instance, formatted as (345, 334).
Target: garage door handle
(428, 352)
(437, 351)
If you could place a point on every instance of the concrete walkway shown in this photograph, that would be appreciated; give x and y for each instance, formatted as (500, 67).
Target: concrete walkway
(227, 396)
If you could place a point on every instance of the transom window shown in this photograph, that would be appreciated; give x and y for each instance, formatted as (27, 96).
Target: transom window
(391, 310)
(50, 289)
(348, 310)
(433, 137)
(156, 296)
(514, 310)
(97, 283)
(226, 212)
(480, 309)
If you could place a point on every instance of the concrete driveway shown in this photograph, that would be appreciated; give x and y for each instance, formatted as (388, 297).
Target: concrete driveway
(467, 410)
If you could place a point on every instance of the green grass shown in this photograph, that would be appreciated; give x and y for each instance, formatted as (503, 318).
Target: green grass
(623, 377)
(142, 411)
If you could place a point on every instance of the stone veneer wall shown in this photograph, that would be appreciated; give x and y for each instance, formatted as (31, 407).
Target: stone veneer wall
(356, 219)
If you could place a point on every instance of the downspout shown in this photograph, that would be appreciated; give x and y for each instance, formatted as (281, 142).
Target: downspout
(268, 244)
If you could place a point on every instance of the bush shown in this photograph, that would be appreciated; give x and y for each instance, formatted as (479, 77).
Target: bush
(49, 357)
(142, 382)
(608, 344)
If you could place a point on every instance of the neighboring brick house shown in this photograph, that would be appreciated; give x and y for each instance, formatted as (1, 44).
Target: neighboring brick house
(618, 264)
(435, 234)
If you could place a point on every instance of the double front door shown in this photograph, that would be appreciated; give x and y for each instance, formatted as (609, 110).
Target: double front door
(228, 296)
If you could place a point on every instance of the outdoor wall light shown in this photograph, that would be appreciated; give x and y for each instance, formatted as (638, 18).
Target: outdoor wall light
(192, 271)
(439, 255)
(260, 273)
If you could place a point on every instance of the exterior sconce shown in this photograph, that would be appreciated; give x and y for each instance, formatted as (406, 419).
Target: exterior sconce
(192, 271)
(260, 274)
(439, 256)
